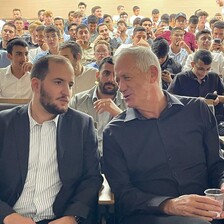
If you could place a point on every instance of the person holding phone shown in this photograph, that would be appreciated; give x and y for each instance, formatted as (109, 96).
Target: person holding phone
(218, 37)
(199, 81)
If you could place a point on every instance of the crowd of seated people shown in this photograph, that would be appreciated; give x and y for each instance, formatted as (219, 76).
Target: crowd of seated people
(189, 52)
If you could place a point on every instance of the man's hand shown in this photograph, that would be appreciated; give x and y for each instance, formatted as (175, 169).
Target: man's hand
(16, 218)
(108, 105)
(64, 220)
(143, 43)
(217, 47)
(166, 76)
(27, 66)
(192, 205)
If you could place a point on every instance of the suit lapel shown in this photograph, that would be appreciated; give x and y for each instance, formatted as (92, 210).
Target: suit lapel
(22, 133)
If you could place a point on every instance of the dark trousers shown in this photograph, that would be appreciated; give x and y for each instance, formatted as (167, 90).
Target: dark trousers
(151, 219)
(46, 221)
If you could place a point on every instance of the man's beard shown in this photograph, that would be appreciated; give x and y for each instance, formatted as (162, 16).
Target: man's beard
(104, 90)
(50, 107)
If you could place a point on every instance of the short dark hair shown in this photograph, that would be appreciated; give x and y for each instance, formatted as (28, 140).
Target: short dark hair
(202, 13)
(119, 7)
(82, 3)
(122, 21)
(219, 25)
(104, 61)
(212, 21)
(9, 24)
(155, 11)
(165, 17)
(160, 47)
(193, 19)
(201, 32)
(73, 46)
(123, 13)
(59, 18)
(204, 55)
(81, 26)
(41, 66)
(107, 15)
(15, 42)
(93, 10)
(72, 24)
(40, 11)
(40, 28)
(138, 29)
(52, 29)
(136, 21)
(135, 8)
(92, 19)
(172, 16)
(176, 29)
(99, 25)
(144, 20)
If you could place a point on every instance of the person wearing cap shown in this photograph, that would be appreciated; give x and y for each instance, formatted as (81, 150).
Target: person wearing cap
(189, 38)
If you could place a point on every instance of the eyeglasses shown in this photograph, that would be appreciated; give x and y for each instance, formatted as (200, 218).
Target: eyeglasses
(101, 52)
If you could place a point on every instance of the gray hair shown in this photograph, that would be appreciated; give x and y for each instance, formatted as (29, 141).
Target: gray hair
(143, 56)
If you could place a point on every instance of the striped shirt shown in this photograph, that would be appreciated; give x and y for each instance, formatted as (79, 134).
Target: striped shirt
(42, 182)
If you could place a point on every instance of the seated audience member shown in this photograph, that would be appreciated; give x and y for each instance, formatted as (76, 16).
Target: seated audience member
(59, 23)
(101, 50)
(14, 80)
(163, 152)
(20, 32)
(121, 37)
(82, 38)
(82, 8)
(139, 38)
(16, 13)
(72, 31)
(84, 76)
(179, 50)
(107, 19)
(204, 41)
(199, 81)
(172, 21)
(218, 35)
(120, 9)
(124, 17)
(103, 101)
(42, 45)
(218, 16)
(69, 21)
(77, 17)
(202, 21)
(52, 36)
(181, 22)
(162, 28)
(211, 22)
(103, 32)
(8, 32)
(169, 66)
(136, 12)
(136, 23)
(53, 150)
(48, 18)
(40, 15)
(92, 25)
(155, 18)
(31, 37)
(96, 11)
(192, 24)
(147, 24)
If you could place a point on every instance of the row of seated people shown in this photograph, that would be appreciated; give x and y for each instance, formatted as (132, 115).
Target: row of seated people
(60, 180)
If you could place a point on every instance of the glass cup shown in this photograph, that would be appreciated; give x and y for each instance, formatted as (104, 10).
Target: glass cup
(217, 194)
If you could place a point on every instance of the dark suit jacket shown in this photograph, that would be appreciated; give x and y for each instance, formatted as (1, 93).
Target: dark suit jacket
(77, 162)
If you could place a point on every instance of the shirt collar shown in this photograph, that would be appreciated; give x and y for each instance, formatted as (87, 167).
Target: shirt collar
(193, 76)
(172, 101)
(33, 122)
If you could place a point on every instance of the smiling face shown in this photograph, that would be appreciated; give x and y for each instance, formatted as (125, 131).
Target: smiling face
(134, 84)
(204, 41)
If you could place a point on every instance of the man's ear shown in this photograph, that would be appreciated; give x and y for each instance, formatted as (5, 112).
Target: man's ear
(79, 57)
(9, 56)
(192, 64)
(35, 84)
(153, 73)
(97, 75)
